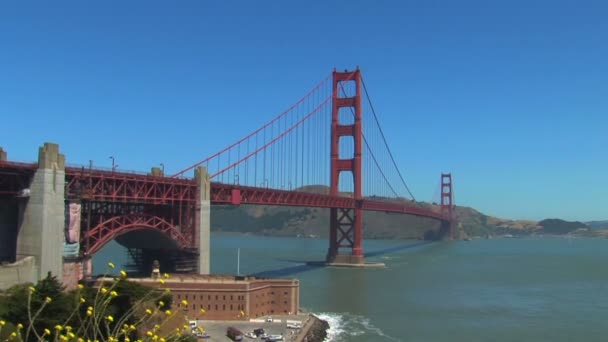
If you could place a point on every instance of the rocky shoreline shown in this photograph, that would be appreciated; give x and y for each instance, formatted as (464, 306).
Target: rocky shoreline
(314, 330)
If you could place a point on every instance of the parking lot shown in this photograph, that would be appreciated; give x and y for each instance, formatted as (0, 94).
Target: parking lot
(217, 329)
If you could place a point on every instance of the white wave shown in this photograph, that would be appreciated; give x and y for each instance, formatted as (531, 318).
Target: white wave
(368, 326)
(336, 325)
(341, 326)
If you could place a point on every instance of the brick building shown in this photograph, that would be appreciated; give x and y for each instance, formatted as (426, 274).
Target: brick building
(224, 297)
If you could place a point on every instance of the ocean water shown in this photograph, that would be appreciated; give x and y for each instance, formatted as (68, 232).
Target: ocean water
(529, 289)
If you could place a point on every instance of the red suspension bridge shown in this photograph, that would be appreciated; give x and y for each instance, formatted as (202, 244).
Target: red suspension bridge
(327, 150)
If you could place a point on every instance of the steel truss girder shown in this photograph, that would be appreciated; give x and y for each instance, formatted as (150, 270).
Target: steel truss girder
(125, 187)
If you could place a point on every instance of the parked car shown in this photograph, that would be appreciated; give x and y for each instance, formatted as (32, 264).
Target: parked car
(234, 334)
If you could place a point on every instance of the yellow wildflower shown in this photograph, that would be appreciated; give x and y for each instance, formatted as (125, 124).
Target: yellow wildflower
(161, 303)
(71, 335)
(203, 311)
(162, 281)
(186, 326)
(110, 318)
(161, 339)
(123, 273)
(184, 302)
(155, 337)
(80, 286)
(148, 311)
(80, 339)
(47, 332)
(132, 327)
(32, 289)
(19, 326)
(168, 312)
(58, 327)
(2, 323)
(82, 300)
(166, 275)
(13, 334)
(111, 265)
(168, 290)
(89, 313)
(48, 299)
(68, 328)
(156, 327)
(104, 290)
(111, 339)
(127, 339)
(149, 333)
(113, 294)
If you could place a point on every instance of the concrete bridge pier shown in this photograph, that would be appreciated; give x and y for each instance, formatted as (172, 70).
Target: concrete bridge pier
(42, 216)
(203, 218)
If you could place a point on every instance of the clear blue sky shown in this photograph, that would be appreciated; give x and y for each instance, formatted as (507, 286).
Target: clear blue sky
(510, 96)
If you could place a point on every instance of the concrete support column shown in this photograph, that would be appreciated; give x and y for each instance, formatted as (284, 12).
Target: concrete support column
(41, 230)
(203, 218)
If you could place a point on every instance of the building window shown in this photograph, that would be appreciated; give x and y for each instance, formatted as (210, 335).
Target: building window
(179, 296)
(215, 306)
(231, 297)
(224, 307)
(230, 307)
(215, 297)
(224, 297)
(186, 297)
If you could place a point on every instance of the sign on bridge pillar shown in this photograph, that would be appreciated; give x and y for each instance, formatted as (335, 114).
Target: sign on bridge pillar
(202, 216)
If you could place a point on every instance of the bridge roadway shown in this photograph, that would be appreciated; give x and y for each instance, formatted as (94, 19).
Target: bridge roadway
(107, 185)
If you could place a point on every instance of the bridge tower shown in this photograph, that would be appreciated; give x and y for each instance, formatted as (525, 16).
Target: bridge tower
(346, 224)
(447, 204)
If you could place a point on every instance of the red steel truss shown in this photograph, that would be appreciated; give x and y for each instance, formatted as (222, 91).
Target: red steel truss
(114, 203)
(14, 177)
(101, 185)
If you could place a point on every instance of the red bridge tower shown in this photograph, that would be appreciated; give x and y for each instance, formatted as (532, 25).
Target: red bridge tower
(346, 224)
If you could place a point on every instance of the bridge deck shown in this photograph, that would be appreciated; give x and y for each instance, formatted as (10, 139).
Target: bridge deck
(107, 185)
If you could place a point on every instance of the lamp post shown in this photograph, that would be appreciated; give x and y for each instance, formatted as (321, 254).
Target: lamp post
(114, 166)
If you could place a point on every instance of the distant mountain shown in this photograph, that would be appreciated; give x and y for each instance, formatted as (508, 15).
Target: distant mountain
(557, 226)
(598, 224)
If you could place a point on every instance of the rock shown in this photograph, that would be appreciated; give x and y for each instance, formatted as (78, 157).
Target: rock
(318, 330)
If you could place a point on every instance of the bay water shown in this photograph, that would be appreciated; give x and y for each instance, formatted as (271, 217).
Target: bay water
(525, 289)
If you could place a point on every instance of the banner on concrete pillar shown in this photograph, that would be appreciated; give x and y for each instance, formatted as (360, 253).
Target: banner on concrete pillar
(73, 235)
